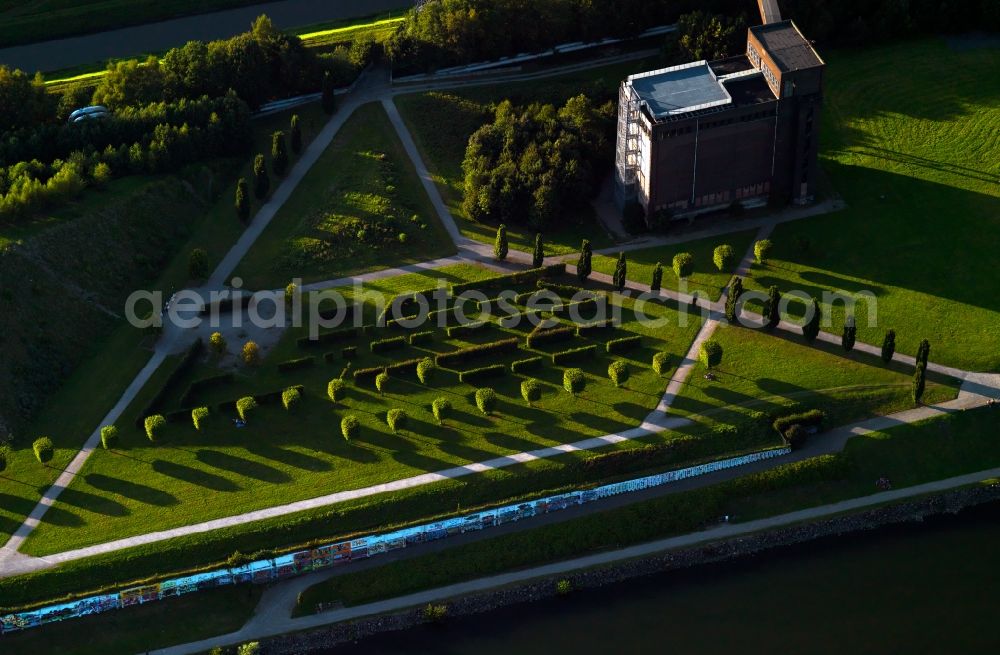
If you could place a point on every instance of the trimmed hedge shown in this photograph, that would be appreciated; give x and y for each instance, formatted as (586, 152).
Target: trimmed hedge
(624, 344)
(812, 418)
(501, 282)
(574, 354)
(580, 306)
(529, 364)
(266, 398)
(331, 313)
(333, 336)
(590, 329)
(473, 352)
(368, 375)
(391, 343)
(475, 375)
(349, 352)
(551, 335)
(295, 364)
(196, 387)
(421, 337)
(564, 290)
(468, 328)
(156, 402)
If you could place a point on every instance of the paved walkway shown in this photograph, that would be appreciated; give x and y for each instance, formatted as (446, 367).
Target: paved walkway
(273, 615)
(163, 35)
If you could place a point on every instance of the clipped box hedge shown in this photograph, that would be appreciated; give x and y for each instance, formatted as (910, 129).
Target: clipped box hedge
(550, 335)
(191, 356)
(385, 345)
(468, 328)
(448, 360)
(525, 365)
(196, 387)
(502, 282)
(595, 328)
(812, 418)
(567, 291)
(296, 364)
(418, 338)
(574, 354)
(334, 336)
(624, 344)
(477, 375)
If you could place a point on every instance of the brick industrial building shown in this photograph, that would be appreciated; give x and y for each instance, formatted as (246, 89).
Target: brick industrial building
(706, 134)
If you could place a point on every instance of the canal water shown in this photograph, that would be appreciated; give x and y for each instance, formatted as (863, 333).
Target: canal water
(927, 588)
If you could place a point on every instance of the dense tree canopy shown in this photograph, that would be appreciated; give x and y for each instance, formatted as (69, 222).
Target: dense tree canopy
(537, 165)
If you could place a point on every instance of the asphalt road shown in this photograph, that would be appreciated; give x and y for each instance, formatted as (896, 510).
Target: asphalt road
(154, 37)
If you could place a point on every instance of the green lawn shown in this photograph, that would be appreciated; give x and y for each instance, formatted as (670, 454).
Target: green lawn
(706, 280)
(92, 389)
(919, 168)
(359, 208)
(778, 374)
(281, 457)
(142, 628)
(464, 111)
(938, 448)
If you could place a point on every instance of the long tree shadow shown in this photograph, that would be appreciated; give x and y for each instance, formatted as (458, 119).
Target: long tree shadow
(194, 476)
(92, 502)
(289, 457)
(510, 442)
(133, 490)
(242, 466)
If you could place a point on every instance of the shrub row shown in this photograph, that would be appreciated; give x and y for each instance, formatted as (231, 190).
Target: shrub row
(468, 328)
(154, 404)
(196, 387)
(476, 375)
(408, 304)
(580, 306)
(813, 417)
(472, 352)
(368, 375)
(574, 354)
(350, 352)
(266, 398)
(391, 343)
(502, 282)
(550, 335)
(421, 337)
(523, 365)
(590, 329)
(333, 336)
(295, 364)
(564, 290)
(623, 344)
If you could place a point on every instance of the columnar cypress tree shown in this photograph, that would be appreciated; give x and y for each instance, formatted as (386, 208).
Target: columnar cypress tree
(500, 246)
(811, 329)
(538, 256)
(924, 352)
(919, 383)
(621, 271)
(850, 335)
(242, 200)
(329, 100)
(772, 310)
(657, 278)
(889, 346)
(733, 298)
(296, 135)
(261, 180)
(583, 266)
(279, 154)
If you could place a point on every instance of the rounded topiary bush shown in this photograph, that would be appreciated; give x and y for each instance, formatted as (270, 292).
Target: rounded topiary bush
(661, 363)
(683, 265)
(382, 382)
(217, 343)
(336, 389)
(442, 409)
(154, 427)
(397, 419)
(425, 370)
(198, 416)
(724, 257)
(109, 437)
(618, 372)
(5, 458)
(43, 449)
(290, 397)
(251, 353)
(486, 400)
(531, 391)
(245, 405)
(710, 353)
(350, 427)
(574, 381)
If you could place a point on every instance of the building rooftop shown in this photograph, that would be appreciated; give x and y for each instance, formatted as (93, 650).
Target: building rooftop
(680, 89)
(786, 46)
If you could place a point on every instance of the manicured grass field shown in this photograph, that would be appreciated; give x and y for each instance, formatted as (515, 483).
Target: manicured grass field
(779, 374)
(938, 448)
(77, 408)
(464, 111)
(706, 280)
(349, 213)
(282, 456)
(142, 628)
(910, 141)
